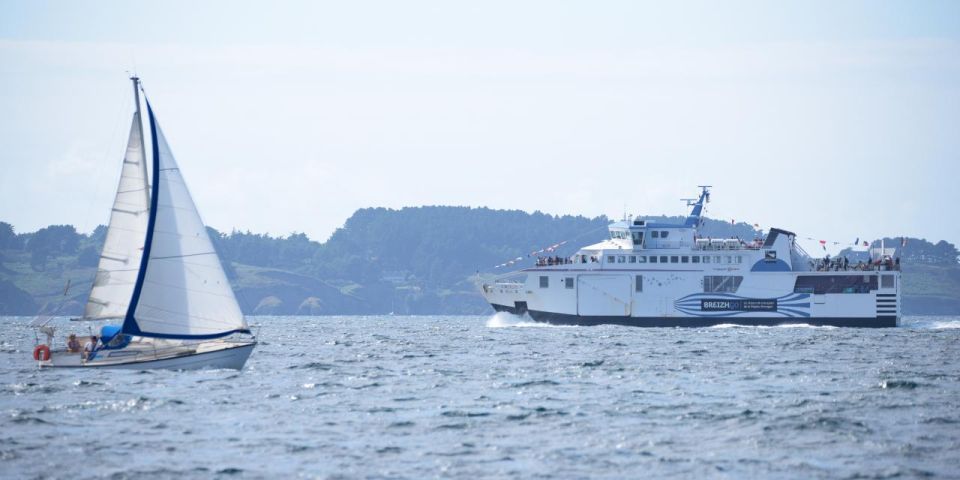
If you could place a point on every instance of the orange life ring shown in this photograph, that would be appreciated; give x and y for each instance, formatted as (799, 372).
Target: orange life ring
(41, 353)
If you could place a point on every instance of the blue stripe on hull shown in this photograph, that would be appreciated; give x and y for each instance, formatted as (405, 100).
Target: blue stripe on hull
(669, 322)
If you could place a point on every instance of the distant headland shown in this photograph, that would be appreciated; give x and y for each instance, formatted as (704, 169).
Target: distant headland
(416, 260)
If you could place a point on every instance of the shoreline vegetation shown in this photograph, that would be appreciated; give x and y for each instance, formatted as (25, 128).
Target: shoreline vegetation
(411, 261)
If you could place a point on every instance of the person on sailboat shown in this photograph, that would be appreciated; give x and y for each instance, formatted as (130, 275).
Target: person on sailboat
(90, 348)
(73, 345)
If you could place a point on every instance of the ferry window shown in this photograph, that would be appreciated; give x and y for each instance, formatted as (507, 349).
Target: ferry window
(695, 259)
(721, 283)
(568, 282)
(821, 284)
(638, 238)
(886, 281)
(655, 234)
(663, 259)
(674, 259)
(727, 259)
(633, 259)
(638, 286)
(684, 259)
(610, 259)
(653, 259)
(622, 259)
(544, 282)
(716, 259)
(739, 259)
(664, 234)
(770, 255)
(641, 259)
(706, 259)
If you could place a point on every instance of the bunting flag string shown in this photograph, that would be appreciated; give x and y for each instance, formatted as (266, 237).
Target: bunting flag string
(535, 253)
(823, 243)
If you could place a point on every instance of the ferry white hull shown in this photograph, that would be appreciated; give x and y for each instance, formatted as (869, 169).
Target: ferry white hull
(669, 275)
(677, 299)
(213, 355)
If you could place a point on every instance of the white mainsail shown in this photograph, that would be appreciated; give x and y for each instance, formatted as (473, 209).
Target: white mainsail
(185, 292)
(123, 246)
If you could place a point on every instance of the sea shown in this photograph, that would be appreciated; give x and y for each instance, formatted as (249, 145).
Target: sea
(501, 397)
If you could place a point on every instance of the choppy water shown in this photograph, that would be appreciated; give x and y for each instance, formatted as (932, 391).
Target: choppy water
(472, 397)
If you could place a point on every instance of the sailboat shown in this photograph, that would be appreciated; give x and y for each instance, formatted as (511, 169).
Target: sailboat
(159, 276)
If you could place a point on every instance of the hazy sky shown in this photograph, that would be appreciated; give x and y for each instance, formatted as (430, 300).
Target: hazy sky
(836, 119)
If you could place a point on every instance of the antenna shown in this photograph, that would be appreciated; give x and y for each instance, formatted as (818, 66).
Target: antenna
(705, 190)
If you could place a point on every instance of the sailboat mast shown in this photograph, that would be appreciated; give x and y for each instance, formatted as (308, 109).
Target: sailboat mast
(143, 163)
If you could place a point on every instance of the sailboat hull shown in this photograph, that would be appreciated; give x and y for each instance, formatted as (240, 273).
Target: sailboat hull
(233, 356)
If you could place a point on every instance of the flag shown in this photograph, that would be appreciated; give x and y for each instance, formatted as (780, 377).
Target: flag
(865, 244)
(733, 222)
(857, 241)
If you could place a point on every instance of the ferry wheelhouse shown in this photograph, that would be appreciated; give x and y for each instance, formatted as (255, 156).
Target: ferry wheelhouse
(666, 275)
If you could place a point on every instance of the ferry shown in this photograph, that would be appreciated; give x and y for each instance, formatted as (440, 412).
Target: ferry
(650, 274)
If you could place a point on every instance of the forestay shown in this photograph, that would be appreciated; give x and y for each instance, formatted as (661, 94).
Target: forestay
(123, 245)
(184, 292)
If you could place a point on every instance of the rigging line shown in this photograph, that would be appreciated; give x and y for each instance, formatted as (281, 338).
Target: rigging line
(131, 191)
(571, 239)
(183, 256)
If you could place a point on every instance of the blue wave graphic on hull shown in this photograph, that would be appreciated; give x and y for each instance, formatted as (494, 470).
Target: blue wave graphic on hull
(794, 305)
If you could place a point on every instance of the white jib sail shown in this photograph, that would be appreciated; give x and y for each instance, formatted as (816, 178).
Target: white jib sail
(123, 246)
(185, 290)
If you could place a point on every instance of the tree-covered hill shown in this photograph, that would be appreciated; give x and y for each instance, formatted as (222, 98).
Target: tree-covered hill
(421, 260)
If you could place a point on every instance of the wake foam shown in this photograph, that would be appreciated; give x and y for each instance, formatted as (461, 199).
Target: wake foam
(506, 320)
(785, 325)
(931, 323)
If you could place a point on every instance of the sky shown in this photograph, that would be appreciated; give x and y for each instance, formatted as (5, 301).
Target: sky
(834, 119)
